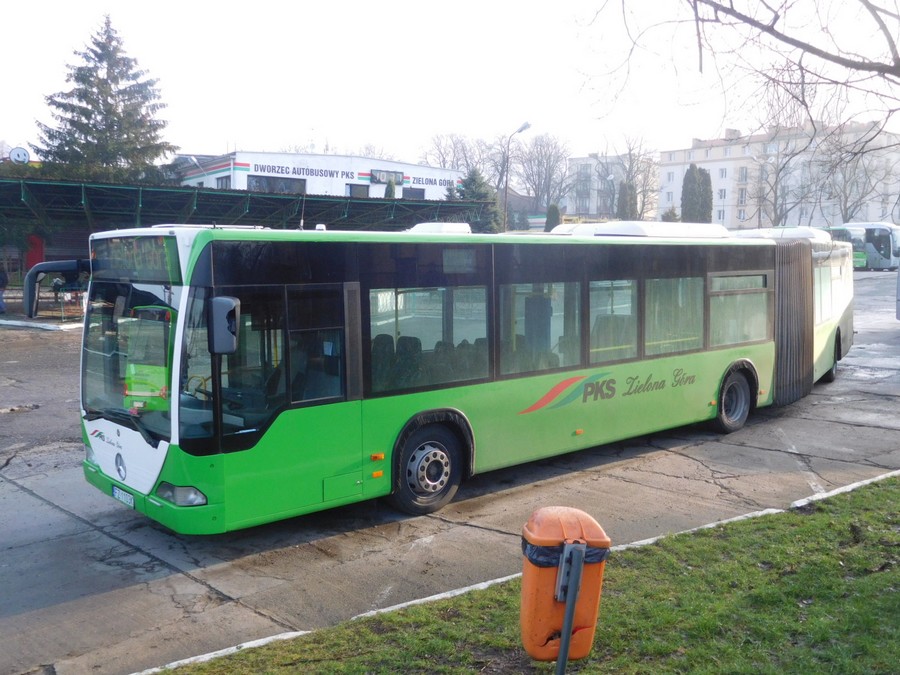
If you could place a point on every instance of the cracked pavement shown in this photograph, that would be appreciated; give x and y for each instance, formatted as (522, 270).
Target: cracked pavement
(89, 586)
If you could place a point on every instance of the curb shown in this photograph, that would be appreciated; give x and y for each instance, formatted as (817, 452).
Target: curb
(486, 584)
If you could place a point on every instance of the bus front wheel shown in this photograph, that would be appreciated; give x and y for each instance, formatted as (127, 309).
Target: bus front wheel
(734, 403)
(429, 472)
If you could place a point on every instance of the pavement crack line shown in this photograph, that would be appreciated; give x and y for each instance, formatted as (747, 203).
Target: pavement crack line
(813, 479)
(8, 460)
(715, 479)
(215, 592)
(483, 528)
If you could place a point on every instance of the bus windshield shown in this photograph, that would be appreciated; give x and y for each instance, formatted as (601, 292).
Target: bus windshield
(127, 357)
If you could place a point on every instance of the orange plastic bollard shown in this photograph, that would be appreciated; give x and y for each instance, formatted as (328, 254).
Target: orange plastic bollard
(542, 615)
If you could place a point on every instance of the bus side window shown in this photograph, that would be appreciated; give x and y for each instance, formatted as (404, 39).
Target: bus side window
(441, 336)
(613, 306)
(538, 326)
(315, 316)
(673, 315)
(317, 366)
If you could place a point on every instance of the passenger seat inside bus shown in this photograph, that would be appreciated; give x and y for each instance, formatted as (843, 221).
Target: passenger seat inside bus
(408, 366)
(382, 361)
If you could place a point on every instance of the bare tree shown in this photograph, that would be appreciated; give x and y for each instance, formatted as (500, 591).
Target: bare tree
(853, 42)
(850, 184)
(605, 170)
(375, 152)
(640, 168)
(452, 151)
(543, 170)
(840, 56)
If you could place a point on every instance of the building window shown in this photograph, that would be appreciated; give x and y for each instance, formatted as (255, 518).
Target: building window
(671, 156)
(742, 174)
(708, 153)
(720, 215)
(413, 193)
(223, 183)
(722, 193)
(668, 197)
(742, 214)
(356, 191)
(276, 185)
(747, 150)
(727, 151)
(742, 196)
(670, 176)
(723, 173)
(690, 154)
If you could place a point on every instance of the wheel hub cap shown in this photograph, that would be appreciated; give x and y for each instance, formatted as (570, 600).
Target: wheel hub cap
(429, 469)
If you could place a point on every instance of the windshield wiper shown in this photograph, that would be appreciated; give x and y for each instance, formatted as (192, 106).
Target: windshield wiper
(123, 417)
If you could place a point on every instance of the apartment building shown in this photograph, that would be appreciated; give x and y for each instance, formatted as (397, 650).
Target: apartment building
(815, 176)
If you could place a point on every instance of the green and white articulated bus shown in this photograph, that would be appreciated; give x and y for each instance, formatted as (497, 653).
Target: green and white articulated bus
(237, 376)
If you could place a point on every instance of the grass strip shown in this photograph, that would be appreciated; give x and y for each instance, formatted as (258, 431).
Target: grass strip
(812, 590)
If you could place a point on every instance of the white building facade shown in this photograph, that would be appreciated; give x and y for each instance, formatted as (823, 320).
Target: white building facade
(334, 175)
(817, 177)
(593, 183)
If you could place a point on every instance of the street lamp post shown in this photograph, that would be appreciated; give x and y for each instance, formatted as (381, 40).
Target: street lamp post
(522, 128)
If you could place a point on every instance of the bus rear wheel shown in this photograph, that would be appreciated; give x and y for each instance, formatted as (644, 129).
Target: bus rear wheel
(831, 374)
(429, 471)
(734, 404)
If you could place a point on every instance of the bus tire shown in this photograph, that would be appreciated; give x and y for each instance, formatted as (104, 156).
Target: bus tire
(429, 472)
(831, 374)
(734, 403)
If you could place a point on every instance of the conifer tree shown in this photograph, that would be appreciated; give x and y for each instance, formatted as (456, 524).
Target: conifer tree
(704, 215)
(475, 188)
(106, 126)
(552, 218)
(670, 215)
(626, 209)
(690, 195)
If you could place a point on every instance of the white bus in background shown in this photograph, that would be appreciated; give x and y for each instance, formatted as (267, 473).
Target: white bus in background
(882, 245)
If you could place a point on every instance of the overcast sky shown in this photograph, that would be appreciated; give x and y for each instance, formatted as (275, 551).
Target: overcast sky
(270, 76)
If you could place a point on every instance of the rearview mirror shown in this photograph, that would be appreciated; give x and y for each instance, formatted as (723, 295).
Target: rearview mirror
(224, 319)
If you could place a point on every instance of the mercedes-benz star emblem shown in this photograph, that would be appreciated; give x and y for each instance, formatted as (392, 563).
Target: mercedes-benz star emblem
(120, 466)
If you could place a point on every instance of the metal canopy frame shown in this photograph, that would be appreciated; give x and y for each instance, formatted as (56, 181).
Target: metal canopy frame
(57, 204)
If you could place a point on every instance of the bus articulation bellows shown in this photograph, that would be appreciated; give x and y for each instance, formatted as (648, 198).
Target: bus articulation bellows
(237, 376)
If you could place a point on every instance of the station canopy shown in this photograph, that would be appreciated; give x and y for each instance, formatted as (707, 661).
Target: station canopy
(98, 206)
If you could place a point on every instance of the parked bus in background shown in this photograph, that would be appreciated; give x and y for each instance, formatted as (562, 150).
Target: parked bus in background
(882, 245)
(236, 376)
(856, 237)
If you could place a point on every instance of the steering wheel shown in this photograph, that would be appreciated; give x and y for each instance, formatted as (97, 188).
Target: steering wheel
(200, 387)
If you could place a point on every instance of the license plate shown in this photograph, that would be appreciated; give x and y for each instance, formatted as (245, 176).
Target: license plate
(126, 498)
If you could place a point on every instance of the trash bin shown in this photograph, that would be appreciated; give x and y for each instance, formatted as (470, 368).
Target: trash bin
(551, 539)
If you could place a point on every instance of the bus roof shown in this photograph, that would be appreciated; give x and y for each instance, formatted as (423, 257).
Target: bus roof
(811, 233)
(641, 228)
(626, 232)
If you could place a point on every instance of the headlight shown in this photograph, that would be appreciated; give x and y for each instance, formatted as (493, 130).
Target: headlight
(89, 454)
(180, 496)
